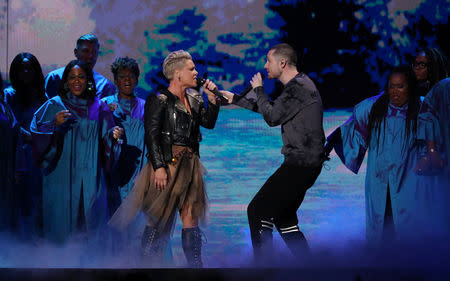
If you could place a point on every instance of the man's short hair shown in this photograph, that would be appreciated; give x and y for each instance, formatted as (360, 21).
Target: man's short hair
(285, 51)
(91, 38)
(175, 60)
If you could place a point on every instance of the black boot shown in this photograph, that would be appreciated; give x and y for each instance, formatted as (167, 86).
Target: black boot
(295, 241)
(191, 240)
(153, 245)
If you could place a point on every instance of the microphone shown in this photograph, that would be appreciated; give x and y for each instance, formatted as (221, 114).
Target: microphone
(201, 81)
(248, 89)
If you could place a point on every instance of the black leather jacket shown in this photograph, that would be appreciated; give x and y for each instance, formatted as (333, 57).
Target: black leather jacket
(167, 123)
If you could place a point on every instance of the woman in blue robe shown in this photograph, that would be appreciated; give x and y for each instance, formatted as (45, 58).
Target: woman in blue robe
(128, 112)
(75, 142)
(25, 95)
(430, 67)
(10, 148)
(436, 105)
(387, 126)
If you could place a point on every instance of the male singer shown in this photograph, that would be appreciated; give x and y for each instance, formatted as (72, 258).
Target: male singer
(299, 112)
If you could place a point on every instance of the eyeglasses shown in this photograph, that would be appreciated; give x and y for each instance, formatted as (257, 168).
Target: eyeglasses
(420, 65)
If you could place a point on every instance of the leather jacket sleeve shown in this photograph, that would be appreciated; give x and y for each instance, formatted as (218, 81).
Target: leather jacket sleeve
(208, 115)
(154, 115)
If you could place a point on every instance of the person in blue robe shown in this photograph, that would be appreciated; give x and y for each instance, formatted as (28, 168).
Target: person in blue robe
(436, 106)
(76, 143)
(128, 112)
(10, 149)
(438, 99)
(430, 67)
(388, 126)
(25, 95)
(86, 50)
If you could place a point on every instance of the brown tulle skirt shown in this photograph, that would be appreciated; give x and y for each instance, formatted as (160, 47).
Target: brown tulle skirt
(185, 188)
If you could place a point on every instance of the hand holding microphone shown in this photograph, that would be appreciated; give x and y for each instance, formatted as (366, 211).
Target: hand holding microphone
(256, 80)
(211, 87)
(226, 97)
(250, 87)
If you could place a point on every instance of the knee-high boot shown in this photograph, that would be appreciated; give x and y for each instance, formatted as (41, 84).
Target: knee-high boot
(191, 240)
(153, 245)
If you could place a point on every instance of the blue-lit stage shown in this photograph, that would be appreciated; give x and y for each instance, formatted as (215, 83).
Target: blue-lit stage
(239, 155)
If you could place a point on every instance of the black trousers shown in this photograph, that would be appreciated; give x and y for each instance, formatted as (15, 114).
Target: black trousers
(279, 199)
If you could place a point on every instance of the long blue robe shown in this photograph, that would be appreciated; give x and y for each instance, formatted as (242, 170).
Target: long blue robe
(31, 184)
(129, 115)
(437, 105)
(10, 217)
(74, 157)
(438, 99)
(390, 166)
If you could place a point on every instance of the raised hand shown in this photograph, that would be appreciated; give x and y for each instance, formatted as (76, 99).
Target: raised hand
(256, 80)
(62, 117)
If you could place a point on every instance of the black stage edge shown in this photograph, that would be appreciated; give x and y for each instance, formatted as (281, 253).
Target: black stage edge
(219, 274)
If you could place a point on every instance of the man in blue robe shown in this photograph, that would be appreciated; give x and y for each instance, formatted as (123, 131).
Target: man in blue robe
(86, 51)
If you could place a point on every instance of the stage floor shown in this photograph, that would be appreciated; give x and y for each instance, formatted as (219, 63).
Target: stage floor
(210, 274)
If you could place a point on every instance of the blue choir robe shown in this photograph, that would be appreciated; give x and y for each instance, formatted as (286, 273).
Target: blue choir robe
(74, 158)
(102, 84)
(10, 160)
(30, 185)
(390, 167)
(436, 105)
(129, 115)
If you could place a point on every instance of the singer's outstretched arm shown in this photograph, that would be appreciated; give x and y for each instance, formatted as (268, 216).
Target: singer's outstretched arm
(240, 101)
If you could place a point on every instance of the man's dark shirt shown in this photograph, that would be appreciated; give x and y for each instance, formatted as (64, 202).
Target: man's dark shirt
(299, 112)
